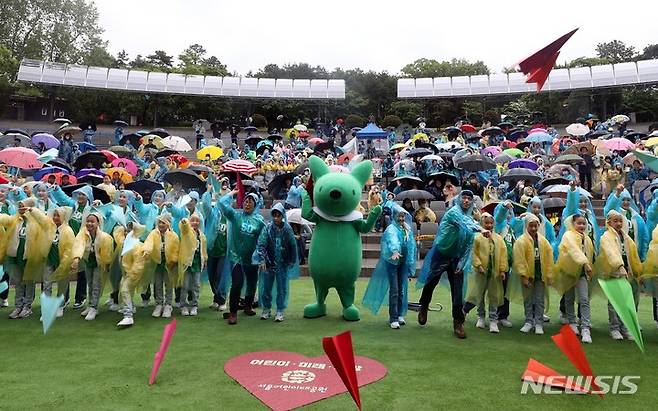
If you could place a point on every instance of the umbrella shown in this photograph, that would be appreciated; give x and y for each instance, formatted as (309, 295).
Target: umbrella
(48, 155)
(110, 155)
(515, 135)
(449, 146)
(87, 171)
(214, 142)
(635, 136)
(98, 193)
(67, 129)
(619, 144)
(60, 163)
(327, 145)
(300, 127)
(8, 140)
(420, 136)
(401, 163)
(209, 151)
(517, 208)
(88, 125)
(468, 128)
(93, 179)
(48, 170)
(432, 157)
(523, 163)
(202, 122)
(476, 162)
(142, 132)
(563, 188)
(145, 188)
(48, 140)
(569, 159)
(491, 151)
(129, 165)
(250, 129)
(96, 158)
(275, 137)
(83, 146)
(503, 158)
(407, 182)
(294, 216)
(124, 175)
(303, 134)
(62, 120)
(120, 123)
(134, 140)
(651, 142)
(315, 140)
(553, 204)
(429, 146)
(575, 148)
(199, 168)
(445, 155)
(539, 137)
(577, 129)
(152, 140)
(620, 118)
(188, 179)
(58, 178)
(20, 157)
(492, 131)
(419, 152)
(552, 181)
(240, 166)
(513, 152)
(17, 131)
(520, 174)
(178, 159)
(452, 130)
(414, 195)
(160, 132)
(442, 177)
(253, 140)
(400, 146)
(523, 145)
(167, 152)
(300, 168)
(557, 169)
(264, 145)
(176, 143)
(278, 182)
(650, 161)
(121, 151)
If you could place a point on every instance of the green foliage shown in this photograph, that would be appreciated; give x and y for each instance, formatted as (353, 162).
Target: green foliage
(391, 121)
(259, 120)
(585, 62)
(491, 116)
(354, 120)
(643, 101)
(432, 68)
(615, 51)
(649, 52)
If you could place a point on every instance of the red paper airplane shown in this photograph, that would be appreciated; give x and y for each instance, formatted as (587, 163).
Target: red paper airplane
(164, 346)
(537, 372)
(568, 343)
(340, 352)
(538, 66)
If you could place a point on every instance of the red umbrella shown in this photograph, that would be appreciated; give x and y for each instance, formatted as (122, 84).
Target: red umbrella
(179, 159)
(508, 144)
(58, 178)
(468, 128)
(240, 166)
(127, 164)
(303, 134)
(20, 157)
(3, 180)
(110, 155)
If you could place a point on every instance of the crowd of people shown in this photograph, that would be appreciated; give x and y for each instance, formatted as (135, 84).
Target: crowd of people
(167, 222)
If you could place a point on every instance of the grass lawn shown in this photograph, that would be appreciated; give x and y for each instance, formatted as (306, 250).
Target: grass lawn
(83, 365)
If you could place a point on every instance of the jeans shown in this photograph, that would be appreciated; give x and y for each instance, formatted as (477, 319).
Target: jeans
(238, 275)
(5, 293)
(503, 310)
(396, 283)
(582, 290)
(533, 303)
(164, 292)
(94, 283)
(614, 323)
(126, 298)
(282, 286)
(493, 311)
(62, 286)
(24, 296)
(191, 282)
(146, 295)
(440, 264)
(217, 286)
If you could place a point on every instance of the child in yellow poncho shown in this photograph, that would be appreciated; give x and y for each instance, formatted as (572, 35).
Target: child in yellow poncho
(160, 251)
(533, 264)
(95, 249)
(489, 269)
(132, 268)
(192, 258)
(649, 278)
(573, 272)
(618, 258)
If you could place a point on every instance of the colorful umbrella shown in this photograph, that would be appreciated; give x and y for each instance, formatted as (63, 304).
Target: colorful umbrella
(48, 170)
(539, 137)
(87, 171)
(650, 161)
(577, 129)
(619, 144)
(121, 151)
(48, 140)
(620, 118)
(303, 134)
(492, 151)
(176, 143)
(58, 178)
(315, 140)
(154, 140)
(651, 142)
(398, 146)
(421, 136)
(129, 165)
(514, 152)
(83, 146)
(212, 151)
(508, 144)
(20, 157)
(111, 156)
(124, 175)
(240, 166)
(523, 163)
(468, 128)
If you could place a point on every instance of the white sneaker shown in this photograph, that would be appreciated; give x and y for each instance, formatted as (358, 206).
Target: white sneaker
(395, 325)
(184, 312)
(85, 312)
(4, 303)
(480, 323)
(25, 312)
(616, 335)
(114, 307)
(539, 330)
(526, 328)
(493, 327)
(506, 323)
(223, 307)
(194, 311)
(157, 311)
(60, 312)
(265, 315)
(91, 315)
(126, 322)
(628, 335)
(166, 312)
(279, 316)
(574, 328)
(546, 318)
(563, 319)
(586, 337)
(214, 306)
(14, 314)
(401, 321)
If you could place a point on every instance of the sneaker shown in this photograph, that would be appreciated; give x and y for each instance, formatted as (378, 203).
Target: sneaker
(91, 315)
(546, 318)
(232, 319)
(60, 312)
(279, 317)
(422, 315)
(563, 319)
(223, 307)
(480, 323)
(194, 311)
(574, 328)
(526, 328)
(628, 335)
(616, 335)
(586, 337)
(14, 314)
(265, 315)
(25, 312)
(79, 305)
(85, 312)
(184, 312)
(145, 303)
(126, 322)
(395, 325)
(166, 312)
(506, 323)
(157, 311)
(401, 321)
(493, 327)
(249, 311)
(214, 306)
(4, 303)
(109, 301)
(114, 307)
(539, 329)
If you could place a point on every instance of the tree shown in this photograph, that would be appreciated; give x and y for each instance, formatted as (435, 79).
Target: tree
(585, 62)
(192, 55)
(354, 120)
(615, 51)
(259, 120)
(161, 60)
(407, 111)
(432, 68)
(650, 52)
(121, 60)
(391, 121)
(213, 67)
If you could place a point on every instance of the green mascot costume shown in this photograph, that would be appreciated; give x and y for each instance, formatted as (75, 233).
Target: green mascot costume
(335, 255)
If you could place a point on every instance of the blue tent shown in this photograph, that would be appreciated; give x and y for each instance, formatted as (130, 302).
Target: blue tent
(371, 131)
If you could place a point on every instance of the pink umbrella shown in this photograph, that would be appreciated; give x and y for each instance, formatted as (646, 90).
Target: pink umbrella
(491, 151)
(20, 157)
(111, 156)
(240, 166)
(619, 144)
(315, 140)
(127, 164)
(537, 130)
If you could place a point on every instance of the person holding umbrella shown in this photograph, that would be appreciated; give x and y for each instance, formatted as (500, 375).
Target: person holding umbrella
(118, 134)
(89, 133)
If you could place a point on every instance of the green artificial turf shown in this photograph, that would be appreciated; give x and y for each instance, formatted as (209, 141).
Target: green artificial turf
(82, 365)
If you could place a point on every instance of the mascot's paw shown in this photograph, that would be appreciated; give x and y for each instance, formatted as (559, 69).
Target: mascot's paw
(315, 310)
(351, 313)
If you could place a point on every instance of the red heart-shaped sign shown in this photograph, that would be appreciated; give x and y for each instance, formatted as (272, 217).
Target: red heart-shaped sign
(285, 380)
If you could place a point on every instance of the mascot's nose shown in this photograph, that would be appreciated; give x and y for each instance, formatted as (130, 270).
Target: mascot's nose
(335, 194)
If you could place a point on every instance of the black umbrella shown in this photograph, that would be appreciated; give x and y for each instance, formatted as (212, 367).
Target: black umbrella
(253, 141)
(553, 204)
(165, 153)
(35, 132)
(120, 123)
(134, 140)
(300, 168)
(452, 130)
(96, 158)
(446, 155)
(160, 132)
(476, 162)
(597, 134)
(418, 152)
(98, 193)
(278, 182)
(492, 131)
(8, 140)
(407, 182)
(121, 151)
(275, 137)
(635, 136)
(551, 181)
(145, 188)
(522, 146)
(442, 177)
(87, 124)
(520, 174)
(60, 163)
(199, 168)
(517, 134)
(422, 144)
(327, 145)
(188, 179)
(414, 195)
(17, 131)
(93, 179)
(250, 129)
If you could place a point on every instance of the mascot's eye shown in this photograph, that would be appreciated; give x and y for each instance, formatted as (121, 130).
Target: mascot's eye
(320, 190)
(353, 192)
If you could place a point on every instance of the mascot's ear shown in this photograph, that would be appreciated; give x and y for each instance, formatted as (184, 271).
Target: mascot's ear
(362, 172)
(318, 167)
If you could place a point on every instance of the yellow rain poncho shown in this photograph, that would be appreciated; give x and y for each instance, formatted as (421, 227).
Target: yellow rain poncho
(649, 275)
(103, 248)
(189, 243)
(152, 254)
(132, 262)
(489, 258)
(66, 239)
(610, 260)
(575, 251)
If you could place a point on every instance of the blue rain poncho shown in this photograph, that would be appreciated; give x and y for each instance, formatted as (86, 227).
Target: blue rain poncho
(652, 212)
(396, 239)
(79, 213)
(294, 197)
(148, 213)
(637, 228)
(180, 211)
(545, 226)
(243, 230)
(573, 207)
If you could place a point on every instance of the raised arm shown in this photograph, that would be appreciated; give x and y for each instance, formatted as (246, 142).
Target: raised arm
(61, 197)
